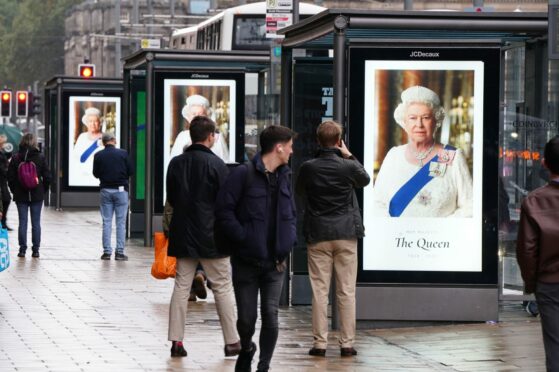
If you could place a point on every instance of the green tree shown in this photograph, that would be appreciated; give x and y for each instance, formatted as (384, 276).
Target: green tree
(32, 44)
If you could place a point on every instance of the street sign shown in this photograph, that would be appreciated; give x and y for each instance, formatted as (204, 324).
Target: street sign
(279, 14)
(151, 43)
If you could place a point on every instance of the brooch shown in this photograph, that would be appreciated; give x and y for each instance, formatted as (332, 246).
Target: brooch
(446, 156)
(424, 198)
(437, 169)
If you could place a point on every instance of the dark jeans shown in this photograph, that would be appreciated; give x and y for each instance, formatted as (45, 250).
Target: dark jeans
(23, 208)
(547, 296)
(5, 205)
(248, 280)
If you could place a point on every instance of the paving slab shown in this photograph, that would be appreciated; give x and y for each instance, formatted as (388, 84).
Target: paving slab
(71, 311)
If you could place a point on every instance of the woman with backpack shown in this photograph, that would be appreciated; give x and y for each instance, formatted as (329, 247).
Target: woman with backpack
(29, 178)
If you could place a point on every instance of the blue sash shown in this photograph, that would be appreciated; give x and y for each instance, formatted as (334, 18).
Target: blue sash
(409, 190)
(87, 153)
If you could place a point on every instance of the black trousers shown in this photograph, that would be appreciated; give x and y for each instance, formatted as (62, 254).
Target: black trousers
(5, 205)
(547, 296)
(250, 278)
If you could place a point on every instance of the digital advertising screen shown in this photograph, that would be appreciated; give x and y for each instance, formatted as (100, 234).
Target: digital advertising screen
(181, 97)
(88, 118)
(424, 123)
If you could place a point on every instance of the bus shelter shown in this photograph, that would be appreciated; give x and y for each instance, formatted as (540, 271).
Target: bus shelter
(77, 111)
(161, 87)
(499, 94)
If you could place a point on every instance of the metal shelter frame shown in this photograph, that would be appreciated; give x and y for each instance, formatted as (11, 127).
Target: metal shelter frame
(338, 29)
(54, 89)
(147, 62)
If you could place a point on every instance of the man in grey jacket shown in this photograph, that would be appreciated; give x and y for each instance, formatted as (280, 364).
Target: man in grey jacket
(332, 225)
(537, 252)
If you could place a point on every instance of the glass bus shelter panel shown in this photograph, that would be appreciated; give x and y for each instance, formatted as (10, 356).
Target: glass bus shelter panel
(312, 104)
(522, 141)
(137, 114)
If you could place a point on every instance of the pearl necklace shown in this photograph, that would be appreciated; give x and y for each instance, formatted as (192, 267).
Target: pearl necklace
(422, 155)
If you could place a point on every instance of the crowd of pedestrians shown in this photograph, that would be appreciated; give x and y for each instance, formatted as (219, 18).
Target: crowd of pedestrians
(237, 226)
(240, 226)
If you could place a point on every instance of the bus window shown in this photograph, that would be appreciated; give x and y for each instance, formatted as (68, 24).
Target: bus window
(217, 35)
(250, 33)
(200, 40)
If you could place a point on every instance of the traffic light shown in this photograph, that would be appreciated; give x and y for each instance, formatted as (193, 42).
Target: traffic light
(22, 103)
(86, 70)
(5, 103)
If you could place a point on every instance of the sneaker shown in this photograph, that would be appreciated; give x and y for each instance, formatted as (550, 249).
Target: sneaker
(21, 253)
(177, 349)
(244, 360)
(121, 257)
(198, 286)
(106, 256)
(35, 254)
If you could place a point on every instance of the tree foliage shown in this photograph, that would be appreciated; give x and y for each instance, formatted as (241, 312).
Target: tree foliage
(31, 40)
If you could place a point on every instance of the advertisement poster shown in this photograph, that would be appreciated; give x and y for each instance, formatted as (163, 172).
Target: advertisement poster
(89, 117)
(186, 98)
(423, 146)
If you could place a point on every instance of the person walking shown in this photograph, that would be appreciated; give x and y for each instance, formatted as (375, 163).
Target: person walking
(332, 225)
(113, 168)
(193, 181)
(255, 212)
(29, 200)
(537, 252)
(6, 198)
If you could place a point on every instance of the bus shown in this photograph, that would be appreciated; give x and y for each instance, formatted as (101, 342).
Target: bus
(239, 28)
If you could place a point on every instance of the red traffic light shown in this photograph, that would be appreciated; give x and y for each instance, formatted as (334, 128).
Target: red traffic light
(6, 103)
(86, 70)
(21, 105)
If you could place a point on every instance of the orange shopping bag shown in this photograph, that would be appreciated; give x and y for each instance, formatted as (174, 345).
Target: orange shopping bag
(164, 266)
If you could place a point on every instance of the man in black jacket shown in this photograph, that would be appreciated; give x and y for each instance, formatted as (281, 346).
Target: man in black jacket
(193, 180)
(113, 168)
(255, 211)
(332, 225)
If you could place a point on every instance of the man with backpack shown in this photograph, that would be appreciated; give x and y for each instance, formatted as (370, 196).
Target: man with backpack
(113, 168)
(255, 213)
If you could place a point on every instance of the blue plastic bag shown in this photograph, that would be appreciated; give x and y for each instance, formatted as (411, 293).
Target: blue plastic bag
(4, 250)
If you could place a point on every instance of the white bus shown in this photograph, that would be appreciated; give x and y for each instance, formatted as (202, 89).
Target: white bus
(239, 28)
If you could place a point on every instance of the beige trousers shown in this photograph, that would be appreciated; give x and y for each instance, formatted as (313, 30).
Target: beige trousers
(218, 272)
(340, 255)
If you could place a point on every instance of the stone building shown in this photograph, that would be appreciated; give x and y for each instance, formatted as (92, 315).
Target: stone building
(93, 34)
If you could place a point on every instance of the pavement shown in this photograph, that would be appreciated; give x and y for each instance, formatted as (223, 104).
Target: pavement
(70, 311)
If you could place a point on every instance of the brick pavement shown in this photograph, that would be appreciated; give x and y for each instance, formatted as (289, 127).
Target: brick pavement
(70, 311)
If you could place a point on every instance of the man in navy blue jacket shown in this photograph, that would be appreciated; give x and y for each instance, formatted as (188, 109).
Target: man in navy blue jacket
(255, 212)
(113, 168)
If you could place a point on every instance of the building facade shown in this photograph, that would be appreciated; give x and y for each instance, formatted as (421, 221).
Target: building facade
(93, 34)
